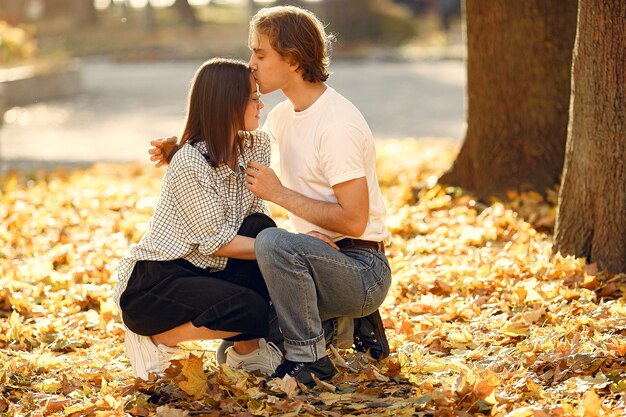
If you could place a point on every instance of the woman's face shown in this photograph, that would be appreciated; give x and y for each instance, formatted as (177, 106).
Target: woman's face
(253, 109)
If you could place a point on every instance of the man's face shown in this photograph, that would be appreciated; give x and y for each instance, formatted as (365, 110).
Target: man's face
(271, 71)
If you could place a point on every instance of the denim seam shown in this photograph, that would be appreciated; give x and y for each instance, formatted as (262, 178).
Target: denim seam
(295, 261)
(343, 264)
(309, 342)
(366, 300)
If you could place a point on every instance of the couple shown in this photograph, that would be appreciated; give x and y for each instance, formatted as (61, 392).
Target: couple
(212, 258)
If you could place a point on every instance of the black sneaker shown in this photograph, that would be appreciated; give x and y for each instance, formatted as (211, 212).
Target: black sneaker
(322, 368)
(369, 334)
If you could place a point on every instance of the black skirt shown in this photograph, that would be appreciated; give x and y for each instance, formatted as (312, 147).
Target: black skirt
(162, 295)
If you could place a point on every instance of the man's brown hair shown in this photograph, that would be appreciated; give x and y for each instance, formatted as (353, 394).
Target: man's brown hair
(218, 98)
(296, 34)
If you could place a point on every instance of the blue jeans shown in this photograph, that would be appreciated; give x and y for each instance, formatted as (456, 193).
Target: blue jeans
(310, 282)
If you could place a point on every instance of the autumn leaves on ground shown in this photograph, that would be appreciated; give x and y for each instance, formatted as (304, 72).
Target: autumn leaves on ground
(482, 319)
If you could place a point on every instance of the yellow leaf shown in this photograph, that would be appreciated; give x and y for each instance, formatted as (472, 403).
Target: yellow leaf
(49, 386)
(592, 404)
(532, 316)
(196, 383)
(167, 411)
(514, 329)
(532, 295)
(288, 385)
(585, 383)
(458, 339)
(521, 412)
(77, 407)
(330, 398)
(323, 385)
(618, 386)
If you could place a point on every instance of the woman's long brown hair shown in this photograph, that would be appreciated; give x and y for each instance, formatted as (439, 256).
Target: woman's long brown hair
(217, 103)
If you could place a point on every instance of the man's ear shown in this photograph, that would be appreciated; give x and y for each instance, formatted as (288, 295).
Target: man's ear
(293, 64)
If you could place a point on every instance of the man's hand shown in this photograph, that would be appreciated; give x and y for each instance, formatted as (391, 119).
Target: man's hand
(161, 149)
(324, 238)
(263, 182)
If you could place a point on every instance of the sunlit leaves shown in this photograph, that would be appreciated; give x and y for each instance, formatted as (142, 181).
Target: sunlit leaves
(481, 318)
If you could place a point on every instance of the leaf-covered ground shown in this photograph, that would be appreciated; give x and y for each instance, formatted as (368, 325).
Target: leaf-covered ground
(481, 318)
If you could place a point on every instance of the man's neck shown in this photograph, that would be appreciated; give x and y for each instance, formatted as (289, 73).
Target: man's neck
(303, 94)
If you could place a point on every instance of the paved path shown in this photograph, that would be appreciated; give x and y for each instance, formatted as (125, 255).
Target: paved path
(123, 106)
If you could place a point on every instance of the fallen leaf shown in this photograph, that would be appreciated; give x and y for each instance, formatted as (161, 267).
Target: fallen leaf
(167, 411)
(323, 385)
(592, 404)
(196, 380)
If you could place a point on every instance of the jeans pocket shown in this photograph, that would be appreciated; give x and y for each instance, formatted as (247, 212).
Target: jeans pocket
(377, 281)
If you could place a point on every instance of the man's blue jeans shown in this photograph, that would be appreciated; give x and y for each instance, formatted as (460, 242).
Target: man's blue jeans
(309, 282)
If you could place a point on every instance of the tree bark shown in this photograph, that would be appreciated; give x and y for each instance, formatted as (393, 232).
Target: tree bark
(186, 13)
(55, 7)
(83, 12)
(591, 219)
(518, 86)
(13, 12)
(147, 18)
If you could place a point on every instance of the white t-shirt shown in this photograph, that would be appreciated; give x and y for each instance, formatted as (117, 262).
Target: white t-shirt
(324, 145)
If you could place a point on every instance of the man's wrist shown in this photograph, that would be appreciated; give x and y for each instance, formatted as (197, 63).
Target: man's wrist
(282, 197)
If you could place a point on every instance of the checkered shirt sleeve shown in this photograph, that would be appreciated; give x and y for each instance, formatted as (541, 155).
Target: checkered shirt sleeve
(199, 210)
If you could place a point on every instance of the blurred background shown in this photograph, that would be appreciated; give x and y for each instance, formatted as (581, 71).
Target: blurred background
(85, 81)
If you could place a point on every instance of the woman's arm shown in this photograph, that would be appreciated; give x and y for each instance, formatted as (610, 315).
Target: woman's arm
(200, 210)
(241, 247)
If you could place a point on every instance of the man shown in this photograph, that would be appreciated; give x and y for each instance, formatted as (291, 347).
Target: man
(335, 266)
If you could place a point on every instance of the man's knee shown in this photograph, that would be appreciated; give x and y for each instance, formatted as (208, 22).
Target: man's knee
(263, 242)
(272, 242)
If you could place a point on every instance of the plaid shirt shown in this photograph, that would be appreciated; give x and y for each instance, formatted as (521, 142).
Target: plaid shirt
(200, 209)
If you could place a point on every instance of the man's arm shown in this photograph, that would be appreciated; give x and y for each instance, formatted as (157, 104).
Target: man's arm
(348, 216)
(162, 150)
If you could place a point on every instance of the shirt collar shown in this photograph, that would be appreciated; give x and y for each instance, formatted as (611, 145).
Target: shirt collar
(223, 170)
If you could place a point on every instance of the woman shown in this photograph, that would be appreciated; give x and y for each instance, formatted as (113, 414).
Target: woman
(193, 275)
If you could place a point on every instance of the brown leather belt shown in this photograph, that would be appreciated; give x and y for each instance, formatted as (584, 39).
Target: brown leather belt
(358, 243)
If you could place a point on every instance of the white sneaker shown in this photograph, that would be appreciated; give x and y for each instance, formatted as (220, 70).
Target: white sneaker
(145, 356)
(265, 359)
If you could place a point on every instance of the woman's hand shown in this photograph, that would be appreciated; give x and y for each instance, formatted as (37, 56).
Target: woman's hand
(162, 148)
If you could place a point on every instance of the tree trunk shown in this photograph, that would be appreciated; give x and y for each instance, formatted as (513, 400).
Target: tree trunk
(591, 220)
(55, 7)
(519, 56)
(83, 12)
(147, 18)
(186, 12)
(13, 12)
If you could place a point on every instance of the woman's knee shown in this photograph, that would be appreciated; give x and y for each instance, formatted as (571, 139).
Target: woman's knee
(255, 223)
(257, 313)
